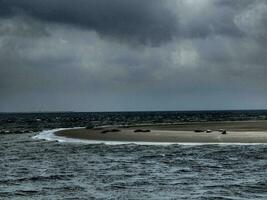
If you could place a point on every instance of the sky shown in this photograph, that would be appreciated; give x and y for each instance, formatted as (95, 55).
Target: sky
(125, 55)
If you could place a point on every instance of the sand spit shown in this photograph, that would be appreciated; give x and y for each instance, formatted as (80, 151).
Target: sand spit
(236, 132)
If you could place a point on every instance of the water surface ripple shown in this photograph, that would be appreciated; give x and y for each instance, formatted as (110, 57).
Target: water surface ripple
(37, 169)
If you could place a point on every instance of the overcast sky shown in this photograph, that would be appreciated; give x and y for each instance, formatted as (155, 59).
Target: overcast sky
(117, 55)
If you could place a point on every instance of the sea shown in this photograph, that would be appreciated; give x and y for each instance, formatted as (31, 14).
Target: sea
(37, 168)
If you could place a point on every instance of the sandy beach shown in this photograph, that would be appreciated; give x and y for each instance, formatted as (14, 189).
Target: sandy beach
(236, 132)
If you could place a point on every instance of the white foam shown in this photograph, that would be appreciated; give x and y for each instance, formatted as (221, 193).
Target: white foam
(49, 135)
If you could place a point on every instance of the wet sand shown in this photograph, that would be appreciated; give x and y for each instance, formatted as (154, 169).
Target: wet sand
(237, 132)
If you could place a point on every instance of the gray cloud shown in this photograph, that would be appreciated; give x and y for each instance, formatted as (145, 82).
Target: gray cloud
(147, 22)
(120, 55)
(141, 21)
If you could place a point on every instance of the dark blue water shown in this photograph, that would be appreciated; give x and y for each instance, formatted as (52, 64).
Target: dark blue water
(33, 122)
(35, 169)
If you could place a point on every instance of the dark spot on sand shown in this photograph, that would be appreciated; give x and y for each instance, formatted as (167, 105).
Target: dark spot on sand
(142, 131)
(110, 130)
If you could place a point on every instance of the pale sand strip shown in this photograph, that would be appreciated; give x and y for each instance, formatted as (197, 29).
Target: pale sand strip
(240, 132)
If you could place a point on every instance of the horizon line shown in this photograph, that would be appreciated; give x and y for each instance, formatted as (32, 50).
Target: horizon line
(124, 111)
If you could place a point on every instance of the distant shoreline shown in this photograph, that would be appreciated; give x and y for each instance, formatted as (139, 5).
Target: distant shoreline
(236, 132)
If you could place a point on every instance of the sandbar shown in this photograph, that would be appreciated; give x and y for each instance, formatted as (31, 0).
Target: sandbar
(236, 132)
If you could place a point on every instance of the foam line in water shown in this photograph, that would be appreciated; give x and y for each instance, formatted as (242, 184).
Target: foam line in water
(49, 135)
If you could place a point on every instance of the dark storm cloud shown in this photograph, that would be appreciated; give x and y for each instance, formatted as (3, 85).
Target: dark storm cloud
(148, 22)
(143, 21)
(132, 54)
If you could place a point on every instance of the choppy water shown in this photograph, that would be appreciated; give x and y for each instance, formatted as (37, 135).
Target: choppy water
(37, 169)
